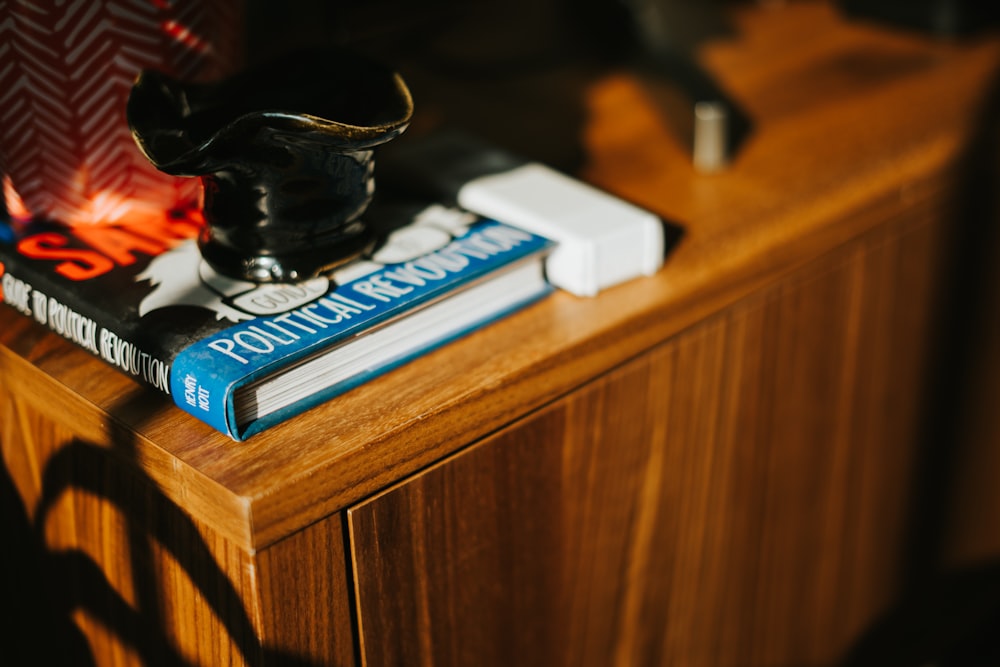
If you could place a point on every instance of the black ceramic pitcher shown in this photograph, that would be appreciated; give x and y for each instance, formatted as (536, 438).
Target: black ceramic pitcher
(285, 154)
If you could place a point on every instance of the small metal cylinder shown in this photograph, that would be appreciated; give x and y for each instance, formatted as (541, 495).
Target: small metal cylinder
(710, 150)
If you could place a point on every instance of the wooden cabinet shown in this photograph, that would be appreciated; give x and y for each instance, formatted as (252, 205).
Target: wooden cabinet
(737, 495)
(722, 464)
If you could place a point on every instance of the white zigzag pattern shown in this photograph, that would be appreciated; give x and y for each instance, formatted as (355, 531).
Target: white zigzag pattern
(66, 73)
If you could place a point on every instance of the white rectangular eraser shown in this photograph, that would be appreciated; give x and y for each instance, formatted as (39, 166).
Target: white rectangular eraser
(601, 240)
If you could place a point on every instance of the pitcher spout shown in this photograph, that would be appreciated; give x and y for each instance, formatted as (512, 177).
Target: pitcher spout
(285, 155)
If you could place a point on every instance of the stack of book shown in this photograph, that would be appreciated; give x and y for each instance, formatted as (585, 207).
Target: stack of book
(242, 356)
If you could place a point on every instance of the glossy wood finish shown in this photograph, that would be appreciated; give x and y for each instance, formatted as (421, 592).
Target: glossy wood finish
(803, 275)
(737, 496)
(793, 193)
(117, 571)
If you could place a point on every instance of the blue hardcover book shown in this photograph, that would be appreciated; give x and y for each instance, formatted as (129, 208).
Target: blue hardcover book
(242, 356)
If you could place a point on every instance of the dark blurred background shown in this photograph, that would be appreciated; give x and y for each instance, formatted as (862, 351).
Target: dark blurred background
(510, 71)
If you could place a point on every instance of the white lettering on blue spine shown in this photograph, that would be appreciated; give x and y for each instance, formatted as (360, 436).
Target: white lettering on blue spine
(190, 390)
(195, 394)
(380, 288)
(389, 285)
(226, 346)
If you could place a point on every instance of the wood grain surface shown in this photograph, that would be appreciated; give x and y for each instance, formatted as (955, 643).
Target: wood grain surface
(738, 496)
(850, 121)
(726, 463)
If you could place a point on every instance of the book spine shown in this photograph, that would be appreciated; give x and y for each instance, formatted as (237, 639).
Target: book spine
(83, 331)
